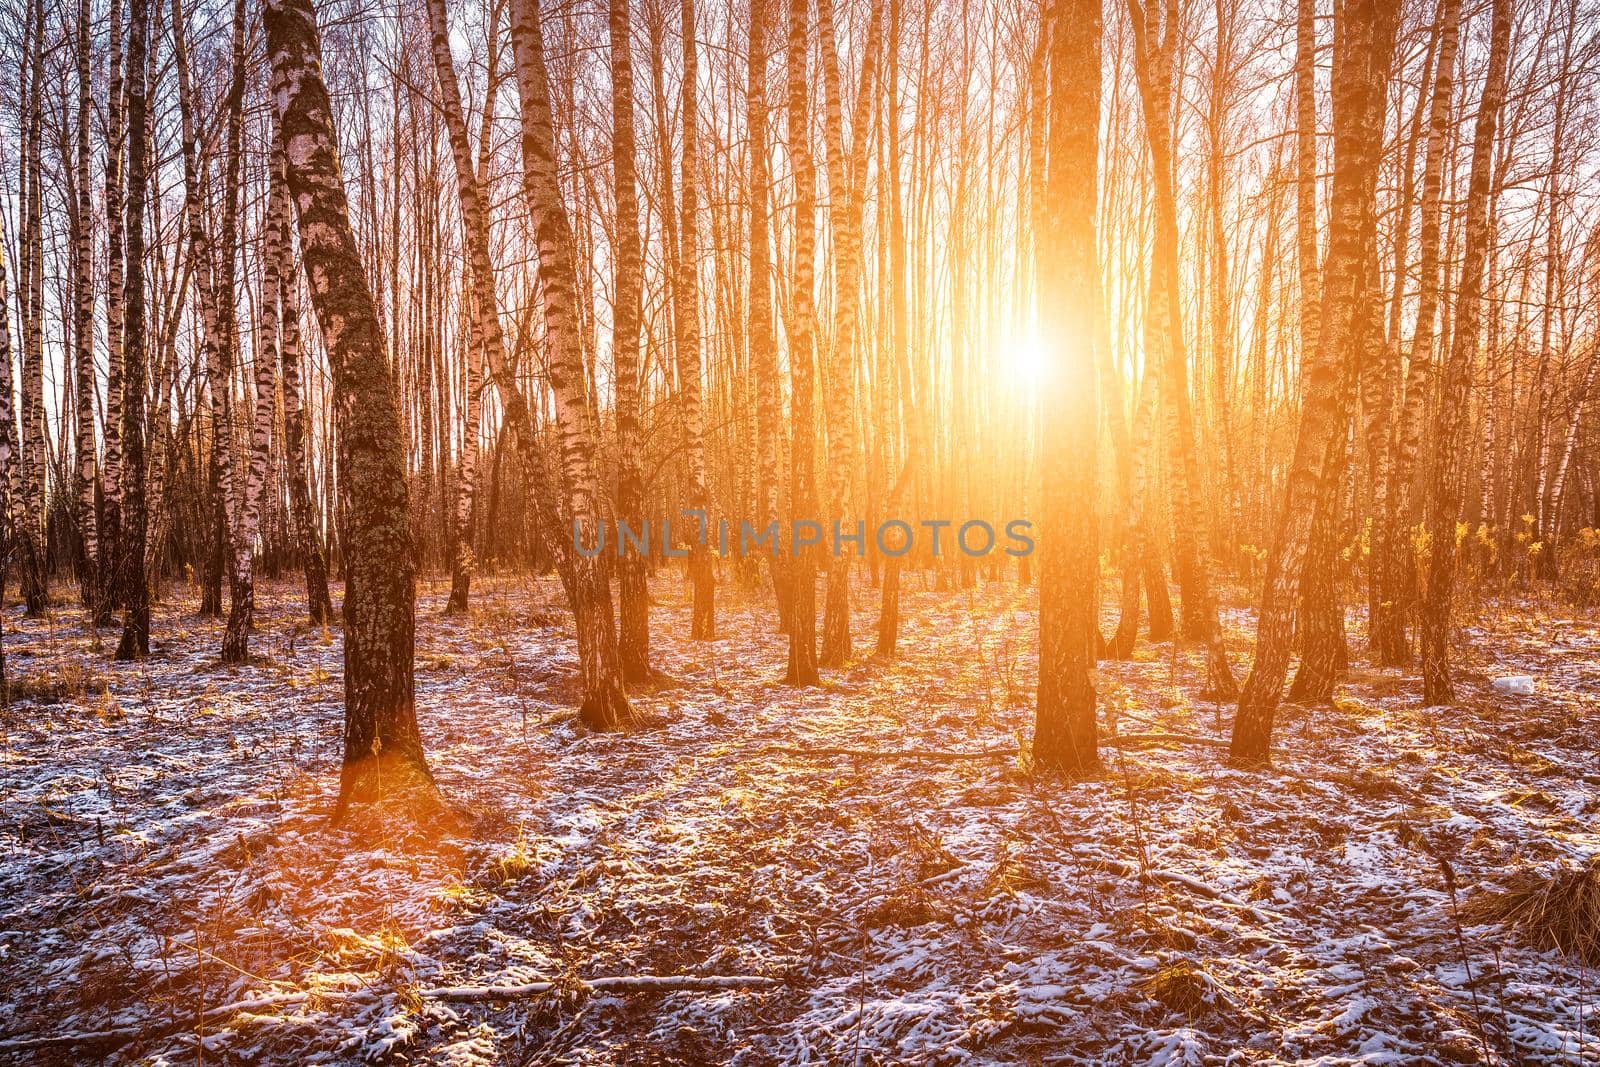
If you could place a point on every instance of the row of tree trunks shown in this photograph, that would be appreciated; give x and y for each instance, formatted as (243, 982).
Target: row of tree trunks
(1155, 40)
(1391, 646)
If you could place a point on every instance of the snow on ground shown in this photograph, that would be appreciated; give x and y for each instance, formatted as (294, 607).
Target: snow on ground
(167, 851)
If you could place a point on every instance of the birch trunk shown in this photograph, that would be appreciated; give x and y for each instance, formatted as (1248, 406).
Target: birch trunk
(899, 333)
(686, 318)
(383, 756)
(1305, 144)
(35, 584)
(1445, 490)
(226, 489)
(763, 342)
(1065, 732)
(314, 561)
(135, 594)
(802, 373)
(846, 192)
(605, 706)
(10, 475)
(83, 335)
(241, 612)
(485, 302)
(633, 590)
(111, 472)
(1382, 386)
(206, 300)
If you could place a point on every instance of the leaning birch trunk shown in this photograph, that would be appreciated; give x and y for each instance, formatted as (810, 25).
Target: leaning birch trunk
(83, 335)
(475, 221)
(462, 561)
(634, 609)
(382, 747)
(1445, 490)
(1065, 734)
(241, 612)
(1367, 43)
(135, 593)
(484, 302)
(111, 470)
(802, 367)
(605, 705)
(686, 318)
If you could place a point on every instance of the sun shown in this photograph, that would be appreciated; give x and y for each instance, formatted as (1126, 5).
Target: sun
(1027, 358)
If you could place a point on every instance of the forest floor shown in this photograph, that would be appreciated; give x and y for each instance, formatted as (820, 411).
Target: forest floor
(168, 853)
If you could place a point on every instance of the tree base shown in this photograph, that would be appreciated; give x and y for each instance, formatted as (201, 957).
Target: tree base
(606, 709)
(388, 788)
(1220, 688)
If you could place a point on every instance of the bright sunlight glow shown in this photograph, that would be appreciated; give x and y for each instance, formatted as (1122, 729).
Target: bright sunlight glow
(1027, 358)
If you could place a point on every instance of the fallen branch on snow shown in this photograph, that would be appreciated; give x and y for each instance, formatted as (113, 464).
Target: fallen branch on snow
(639, 983)
(1164, 738)
(1192, 884)
(895, 753)
(937, 755)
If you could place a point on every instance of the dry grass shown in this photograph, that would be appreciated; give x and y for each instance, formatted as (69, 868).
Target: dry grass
(1555, 908)
(1184, 987)
(55, 683)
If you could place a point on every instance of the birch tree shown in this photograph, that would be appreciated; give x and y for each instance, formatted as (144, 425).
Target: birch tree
(135, 598)
(1445, 494)
(604, 703)
(1364, 44)
(383, 756)
(1065, 732)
